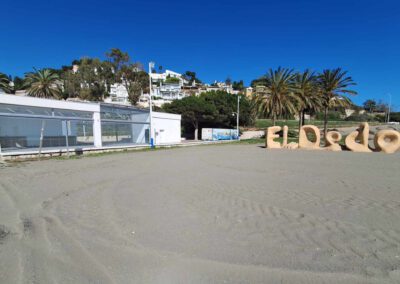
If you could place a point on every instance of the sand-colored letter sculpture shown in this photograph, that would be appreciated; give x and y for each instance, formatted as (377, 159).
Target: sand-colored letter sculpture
(285, 134)
(271, 135)
(331, 141)
(304, 142)
(361, 135)
(387, 141)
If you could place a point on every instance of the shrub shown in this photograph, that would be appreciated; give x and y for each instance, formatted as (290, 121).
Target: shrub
(332, 115)
(361, 117)
(171, 80)
(395, 116)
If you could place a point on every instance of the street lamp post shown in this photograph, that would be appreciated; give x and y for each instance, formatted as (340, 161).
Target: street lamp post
(151, 66)
(390, 104)
(237, 116)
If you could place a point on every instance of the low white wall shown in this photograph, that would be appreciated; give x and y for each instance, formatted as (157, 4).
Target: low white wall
(166, 128)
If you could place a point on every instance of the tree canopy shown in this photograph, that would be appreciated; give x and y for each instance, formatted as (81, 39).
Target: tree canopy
(5, 83)
(308, 98)
(226, 106)
(238, 85)
(194, 110)
(334, 86)
(214, 109)
(285, 93)
(190, 76)
(43, 83)
(370, 105)
(280, 98)
(94, 77)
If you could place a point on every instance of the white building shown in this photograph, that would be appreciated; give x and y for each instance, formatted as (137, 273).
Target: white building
(118, 95)
(162, 90)
(222, 86)
(144, 101)
(157, 78)
(168, 91)
(27, 124)
(166, 128)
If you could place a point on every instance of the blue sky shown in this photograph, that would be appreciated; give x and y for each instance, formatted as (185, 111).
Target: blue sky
(217, 39)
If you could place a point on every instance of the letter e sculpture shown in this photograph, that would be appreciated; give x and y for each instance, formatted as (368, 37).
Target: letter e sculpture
(270, 136)
(387, 141)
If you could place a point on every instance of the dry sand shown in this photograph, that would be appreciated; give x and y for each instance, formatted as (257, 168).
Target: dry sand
(208, 214)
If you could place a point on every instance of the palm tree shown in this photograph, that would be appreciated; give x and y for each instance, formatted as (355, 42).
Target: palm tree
(334, 86)
(280, 95)
(43, 83)
(4, 83)
(307, 93)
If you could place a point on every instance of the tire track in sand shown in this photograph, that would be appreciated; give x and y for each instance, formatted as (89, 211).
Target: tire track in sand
(43, 239)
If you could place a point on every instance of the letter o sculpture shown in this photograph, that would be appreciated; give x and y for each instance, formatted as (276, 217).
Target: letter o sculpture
(381, 143)
(332, 137)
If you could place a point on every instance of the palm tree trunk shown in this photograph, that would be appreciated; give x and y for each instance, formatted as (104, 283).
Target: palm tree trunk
(303, 117)
(274, 119)
(325, 122)
(300, 119)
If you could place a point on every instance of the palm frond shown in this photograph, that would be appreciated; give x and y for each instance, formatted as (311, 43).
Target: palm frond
(279, 98)
(4, 83)
(43, 83)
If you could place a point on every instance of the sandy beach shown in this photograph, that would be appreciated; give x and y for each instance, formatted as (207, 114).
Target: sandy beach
(205, 214)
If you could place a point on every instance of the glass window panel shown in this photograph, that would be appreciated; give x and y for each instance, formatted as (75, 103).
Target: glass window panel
(80, 133)
(120, 113)
(28, 110)
(72, 113)
(15, 109)
(116, 133)
(18, 133)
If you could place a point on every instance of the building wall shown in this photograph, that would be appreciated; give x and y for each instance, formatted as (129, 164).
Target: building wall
(166, 127)
(169, 92)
